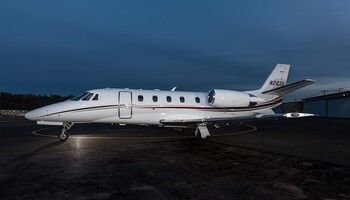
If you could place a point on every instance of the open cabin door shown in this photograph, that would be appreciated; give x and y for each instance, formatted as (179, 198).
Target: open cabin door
(125, 105)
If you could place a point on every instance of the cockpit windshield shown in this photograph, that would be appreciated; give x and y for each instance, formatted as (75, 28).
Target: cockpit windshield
(86, 96)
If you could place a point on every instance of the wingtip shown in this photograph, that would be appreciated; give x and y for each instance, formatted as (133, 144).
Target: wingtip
(310, 80)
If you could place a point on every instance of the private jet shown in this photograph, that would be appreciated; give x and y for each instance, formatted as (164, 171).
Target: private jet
(177, 109)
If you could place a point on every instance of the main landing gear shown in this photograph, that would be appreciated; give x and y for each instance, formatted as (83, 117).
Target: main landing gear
(202, 132)
(63, 136)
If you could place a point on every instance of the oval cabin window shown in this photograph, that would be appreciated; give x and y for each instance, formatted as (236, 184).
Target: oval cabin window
(182, 99)
(198, 100)
(155, 99)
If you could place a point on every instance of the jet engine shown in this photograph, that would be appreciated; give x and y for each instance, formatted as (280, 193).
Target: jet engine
(231, 98)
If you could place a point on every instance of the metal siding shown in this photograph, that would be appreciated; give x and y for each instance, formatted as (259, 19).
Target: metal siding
(316, 107)
(339, 107)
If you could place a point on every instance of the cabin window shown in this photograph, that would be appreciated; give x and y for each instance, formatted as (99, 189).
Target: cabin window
(95, 97)
(87, 97)
(77, 98)
(155, 99)
(198, 100)
(168, 99)
(140, 98)
(182, 99)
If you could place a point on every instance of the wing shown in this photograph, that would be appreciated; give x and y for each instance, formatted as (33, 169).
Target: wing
(201, 124)
(256, 117)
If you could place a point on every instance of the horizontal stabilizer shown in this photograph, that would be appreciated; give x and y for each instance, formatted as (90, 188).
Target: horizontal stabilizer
(281, 91)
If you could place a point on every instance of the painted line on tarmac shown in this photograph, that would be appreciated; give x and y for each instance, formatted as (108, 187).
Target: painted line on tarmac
(253, 128)
(36, 132)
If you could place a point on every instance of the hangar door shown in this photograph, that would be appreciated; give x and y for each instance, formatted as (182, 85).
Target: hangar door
(125, 105)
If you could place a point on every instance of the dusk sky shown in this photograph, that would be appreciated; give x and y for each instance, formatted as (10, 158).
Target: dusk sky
(67, 47)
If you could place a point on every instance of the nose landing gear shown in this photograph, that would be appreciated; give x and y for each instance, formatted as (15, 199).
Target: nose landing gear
(63, 136)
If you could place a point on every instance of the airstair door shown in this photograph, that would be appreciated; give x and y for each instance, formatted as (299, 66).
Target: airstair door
(125, 104)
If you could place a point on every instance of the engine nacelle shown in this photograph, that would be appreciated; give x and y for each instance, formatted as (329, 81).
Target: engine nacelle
(228, 98)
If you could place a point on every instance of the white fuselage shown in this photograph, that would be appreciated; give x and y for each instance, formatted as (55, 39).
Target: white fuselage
(144, 107)
(172, 108)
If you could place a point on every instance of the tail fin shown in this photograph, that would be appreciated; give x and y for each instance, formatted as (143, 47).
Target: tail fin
(275, 85)
(277, 78)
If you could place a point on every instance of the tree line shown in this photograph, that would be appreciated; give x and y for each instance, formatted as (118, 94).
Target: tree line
(10, 101)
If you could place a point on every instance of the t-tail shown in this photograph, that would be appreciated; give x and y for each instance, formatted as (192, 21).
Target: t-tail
(275, 85)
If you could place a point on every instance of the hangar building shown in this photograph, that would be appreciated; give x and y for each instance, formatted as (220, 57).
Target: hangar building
(331, 105)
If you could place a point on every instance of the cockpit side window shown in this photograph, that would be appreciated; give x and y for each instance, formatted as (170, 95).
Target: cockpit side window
(87, 97)
(77, 98)
(95, 97)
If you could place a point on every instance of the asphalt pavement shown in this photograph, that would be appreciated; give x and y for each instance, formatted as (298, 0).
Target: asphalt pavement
(284, 159)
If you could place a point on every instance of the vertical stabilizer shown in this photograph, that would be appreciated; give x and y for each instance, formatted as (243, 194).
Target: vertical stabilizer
(275, 85)
(277, 78)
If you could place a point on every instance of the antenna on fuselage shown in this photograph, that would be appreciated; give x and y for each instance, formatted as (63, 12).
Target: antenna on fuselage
(173, 89)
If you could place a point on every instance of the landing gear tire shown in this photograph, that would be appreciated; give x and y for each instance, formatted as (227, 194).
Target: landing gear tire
(63, 136)
(205, 138)
(199, 137)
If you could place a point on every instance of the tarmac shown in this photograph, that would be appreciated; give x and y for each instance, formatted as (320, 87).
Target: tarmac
(284, 159)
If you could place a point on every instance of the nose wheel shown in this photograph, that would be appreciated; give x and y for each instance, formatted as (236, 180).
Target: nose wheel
(63, 136)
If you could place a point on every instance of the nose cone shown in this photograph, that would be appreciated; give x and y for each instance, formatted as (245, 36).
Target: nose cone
(32, 115)
(46, 113)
